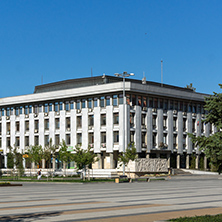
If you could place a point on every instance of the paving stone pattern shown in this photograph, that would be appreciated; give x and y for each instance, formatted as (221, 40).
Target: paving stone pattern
(142, 201)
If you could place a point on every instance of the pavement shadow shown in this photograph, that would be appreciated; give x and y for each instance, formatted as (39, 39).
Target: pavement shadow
(29, 217)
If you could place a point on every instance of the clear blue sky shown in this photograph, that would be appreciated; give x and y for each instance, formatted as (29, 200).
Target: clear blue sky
(62, 40)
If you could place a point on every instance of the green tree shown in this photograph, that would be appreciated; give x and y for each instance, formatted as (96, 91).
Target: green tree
(130, 154)
(212, 145)
(84, 158)
(64, 155)
(53, 149)
(10, 158)
(190, 86)
(34, 154)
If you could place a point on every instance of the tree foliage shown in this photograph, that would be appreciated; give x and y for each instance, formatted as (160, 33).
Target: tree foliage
(34, 153)
(212, 145)
(130, 154)
(84, 157)
(190, 86)
(65, 155)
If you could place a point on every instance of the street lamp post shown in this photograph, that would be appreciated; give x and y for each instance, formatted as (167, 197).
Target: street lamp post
(124, 75)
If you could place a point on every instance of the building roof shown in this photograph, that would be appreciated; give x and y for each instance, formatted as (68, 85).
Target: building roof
(97, 80)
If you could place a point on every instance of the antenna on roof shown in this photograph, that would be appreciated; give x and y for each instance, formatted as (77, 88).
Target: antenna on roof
(144, 78)
(91, 72)
(42, 80)
(161, 73)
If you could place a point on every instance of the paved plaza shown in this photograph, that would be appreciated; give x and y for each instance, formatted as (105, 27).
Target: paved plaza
(142, 201)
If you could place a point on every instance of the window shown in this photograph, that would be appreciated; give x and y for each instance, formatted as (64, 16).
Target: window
(174, 123)
(17, 126)
(144, 102)
(8, 111)
(115, 100)
(116, 136)
(79, 121)
(154, 122)
(46, 108)
(171, 104)
(17, 141)
(176, 105)
(26, 110)
(36, 111)
(133, 100)
(68, 141)
(46, 123)
(20, 110)
(95, 102)
(40, 108)
(181, 106)
(193, 125)
(50, 107)
(132, 119)
(107, 100)
(150, 102)
(83, 103)
(143, 119)
(57, 140)
(26, 125)
(165, 105)
(184, 124)
(161, 103)
(57, 123)
(165, 122)
(36, 124)
(102, 101)
(116, 118)
(71, 105)
(91, 120)
(30, 109)
(16, 111)
(155, 103)
(79, 139)
(103, 137)
(103, 119)
(56, 107)
(91, 138)
(132, 133)
(78, 104)
(26, 140)
(121, 99)
(143, 139)
(60, 105)
(154, 140)
(12, 109)
(165, 138)
(68, 125)
(139, 100)
(36, 140)
(184, 141)
(46, 140)
(90, 103)
(202, 127)
(174, 141)
(185, 107)
(8, 126)
(194, 108)
(67, 106)
(8, 143)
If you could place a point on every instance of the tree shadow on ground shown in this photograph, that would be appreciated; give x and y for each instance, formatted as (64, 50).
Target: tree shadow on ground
(29, 217)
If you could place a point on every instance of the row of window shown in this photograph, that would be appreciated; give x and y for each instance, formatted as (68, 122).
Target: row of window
(103, 101)
(67, 139)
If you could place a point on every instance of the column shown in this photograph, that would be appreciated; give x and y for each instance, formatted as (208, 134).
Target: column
(205, 162)
(168, 160)
(197, 161)
(111, 161)
(178, 161)
(43, 163)
(187, 161)
(53, 163)
(5, 160)
(99, 161)
(159, 127)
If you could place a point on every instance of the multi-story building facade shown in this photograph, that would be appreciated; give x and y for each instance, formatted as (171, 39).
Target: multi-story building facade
(89, 111)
